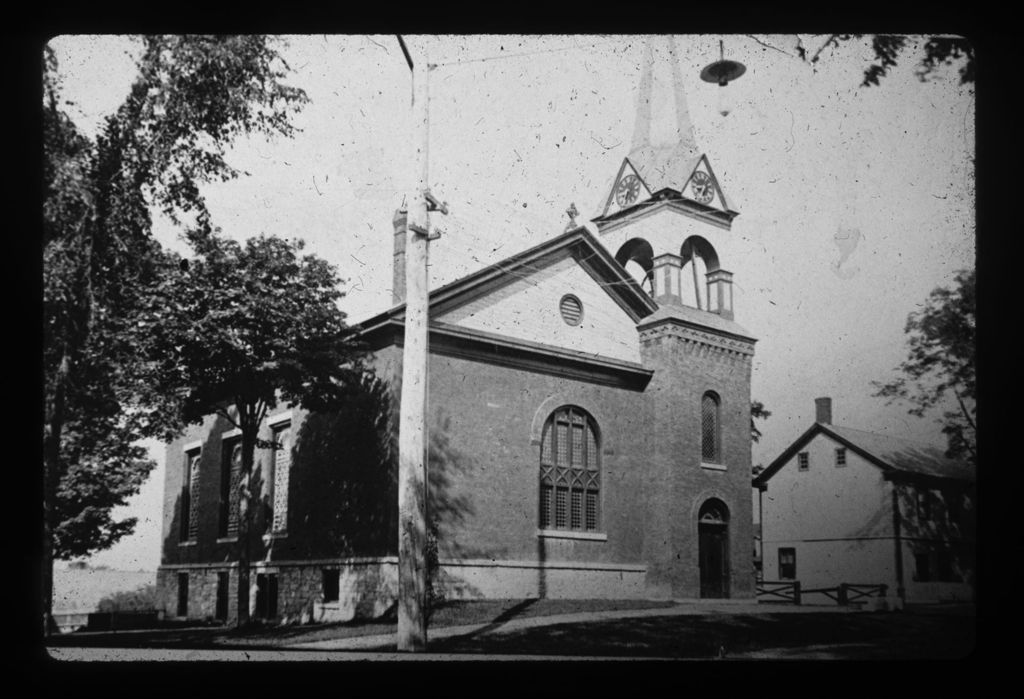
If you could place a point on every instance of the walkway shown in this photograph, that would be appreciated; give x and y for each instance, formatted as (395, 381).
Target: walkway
(685, 607)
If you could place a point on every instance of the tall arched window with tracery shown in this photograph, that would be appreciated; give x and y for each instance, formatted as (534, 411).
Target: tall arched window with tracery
(710, 429)
(570, 471)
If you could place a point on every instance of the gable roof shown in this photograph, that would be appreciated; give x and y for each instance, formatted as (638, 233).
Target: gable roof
(893, 455)
(593, 256)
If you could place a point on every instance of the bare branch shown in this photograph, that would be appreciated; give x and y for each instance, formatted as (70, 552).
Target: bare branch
(963, 409)
(227, 416)
(769, 46)
(832, 39)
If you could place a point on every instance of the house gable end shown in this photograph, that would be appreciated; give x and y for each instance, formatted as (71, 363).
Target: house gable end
(761, 481)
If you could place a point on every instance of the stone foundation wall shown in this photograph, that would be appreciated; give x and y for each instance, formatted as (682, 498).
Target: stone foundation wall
(367, 588)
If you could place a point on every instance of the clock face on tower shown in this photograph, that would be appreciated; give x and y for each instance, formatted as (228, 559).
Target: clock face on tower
(700, 185)
(628, 190)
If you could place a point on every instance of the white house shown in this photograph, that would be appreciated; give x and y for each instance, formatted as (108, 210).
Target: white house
(841, 505)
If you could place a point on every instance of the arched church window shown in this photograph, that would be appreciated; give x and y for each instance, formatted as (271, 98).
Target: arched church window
(570, 472)
(710, 429)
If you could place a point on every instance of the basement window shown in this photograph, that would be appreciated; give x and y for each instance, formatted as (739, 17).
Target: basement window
(330, 584)
(922, 569)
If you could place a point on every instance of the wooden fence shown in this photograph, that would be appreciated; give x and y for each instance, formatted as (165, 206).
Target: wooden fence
(789, 591)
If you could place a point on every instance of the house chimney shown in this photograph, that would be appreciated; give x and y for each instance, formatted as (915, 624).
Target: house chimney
(823, 410)
(398, 263)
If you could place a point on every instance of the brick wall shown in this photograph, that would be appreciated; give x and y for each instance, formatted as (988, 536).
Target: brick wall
(687, 364)
(485, 424)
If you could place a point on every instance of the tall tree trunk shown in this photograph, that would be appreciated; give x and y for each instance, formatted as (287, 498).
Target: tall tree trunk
(51, 477)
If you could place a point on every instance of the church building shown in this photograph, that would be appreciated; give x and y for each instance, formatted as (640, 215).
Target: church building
(588, 419)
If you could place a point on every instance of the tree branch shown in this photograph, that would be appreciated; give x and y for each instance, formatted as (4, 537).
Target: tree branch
(227, 416)
(766, 45)
(831, 40)
(963, 409)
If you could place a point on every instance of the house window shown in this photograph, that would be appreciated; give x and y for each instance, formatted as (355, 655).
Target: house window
(922, 569)
(282, 464)
(840, 456)
(182, 594)
(570, 473)
(924, 505)
(330, 585)
(787, 564)
(189, 525)
(803, 461)
(710, 429)
(230, 473)
(954, 507)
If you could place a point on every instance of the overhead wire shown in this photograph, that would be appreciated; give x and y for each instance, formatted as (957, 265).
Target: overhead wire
(525, 54)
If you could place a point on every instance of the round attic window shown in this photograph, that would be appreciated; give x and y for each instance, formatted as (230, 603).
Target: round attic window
(572, 309)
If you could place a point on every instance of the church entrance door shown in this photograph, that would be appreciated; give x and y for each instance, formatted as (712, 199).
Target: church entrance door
(713, 553)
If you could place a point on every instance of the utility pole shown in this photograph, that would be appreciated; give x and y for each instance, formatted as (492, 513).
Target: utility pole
(412, 426)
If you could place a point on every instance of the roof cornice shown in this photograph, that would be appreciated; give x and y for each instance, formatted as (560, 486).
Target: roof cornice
(492, 348)
(666, 199)
(593, 256)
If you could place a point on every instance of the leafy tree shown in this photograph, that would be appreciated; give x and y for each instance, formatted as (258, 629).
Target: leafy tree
(193, 96)
(238, 329)
(889, 48)
(940, 364)
(757, 412)
(142, 599)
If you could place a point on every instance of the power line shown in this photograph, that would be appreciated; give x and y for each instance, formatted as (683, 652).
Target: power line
(525, 54)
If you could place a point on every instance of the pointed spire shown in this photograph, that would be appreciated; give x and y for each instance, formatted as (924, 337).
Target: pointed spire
(664, 150)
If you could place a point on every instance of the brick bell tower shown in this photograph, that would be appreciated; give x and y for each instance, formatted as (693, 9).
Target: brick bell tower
(667, 220)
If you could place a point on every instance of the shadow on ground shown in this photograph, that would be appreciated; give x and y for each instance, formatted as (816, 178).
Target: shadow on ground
(928, 633)
(867, 635)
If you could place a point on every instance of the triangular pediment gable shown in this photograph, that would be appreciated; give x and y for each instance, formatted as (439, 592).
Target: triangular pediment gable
(521, 297)
(627, 190)
(702, 186)
(564, 298)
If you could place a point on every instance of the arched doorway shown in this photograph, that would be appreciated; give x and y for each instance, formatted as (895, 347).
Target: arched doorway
(713, 549)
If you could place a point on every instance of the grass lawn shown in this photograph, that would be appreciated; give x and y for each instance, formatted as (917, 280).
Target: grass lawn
(926, 633)
(455, 613)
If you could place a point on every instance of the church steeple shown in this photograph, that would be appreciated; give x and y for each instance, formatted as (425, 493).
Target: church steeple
(664, 150)
(664, 160)
(666, 218)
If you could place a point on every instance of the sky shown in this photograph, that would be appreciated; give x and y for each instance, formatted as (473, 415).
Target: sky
(854, 202)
